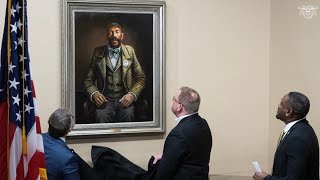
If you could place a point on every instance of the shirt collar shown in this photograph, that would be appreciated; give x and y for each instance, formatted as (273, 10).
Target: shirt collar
(289, 125)
(63, 139)
(182, 117)
(114, 48)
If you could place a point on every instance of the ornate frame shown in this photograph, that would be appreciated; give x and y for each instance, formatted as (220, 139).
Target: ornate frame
(81, 15)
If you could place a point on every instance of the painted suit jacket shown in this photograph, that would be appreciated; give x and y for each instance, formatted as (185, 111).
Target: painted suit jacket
(133, 76)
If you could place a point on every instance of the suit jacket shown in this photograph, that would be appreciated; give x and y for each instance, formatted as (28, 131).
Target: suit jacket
(297, 156)
(186, 152)
(133, 76)
(111, 165)
(61, 163)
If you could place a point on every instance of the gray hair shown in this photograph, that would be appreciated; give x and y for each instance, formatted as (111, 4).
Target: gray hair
(190, 99)
(60, 122)
(299, 103)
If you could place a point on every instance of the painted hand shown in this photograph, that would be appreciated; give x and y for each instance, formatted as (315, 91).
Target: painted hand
(127, 100)
(99, 99)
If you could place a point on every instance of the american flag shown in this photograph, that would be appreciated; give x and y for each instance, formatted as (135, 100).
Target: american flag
(21, 145)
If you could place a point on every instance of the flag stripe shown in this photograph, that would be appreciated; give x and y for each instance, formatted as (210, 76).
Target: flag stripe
(3, 141)
(15, 153)
(19, 171)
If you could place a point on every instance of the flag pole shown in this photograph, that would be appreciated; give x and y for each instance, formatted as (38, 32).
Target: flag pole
(8, 100)
(24, 137)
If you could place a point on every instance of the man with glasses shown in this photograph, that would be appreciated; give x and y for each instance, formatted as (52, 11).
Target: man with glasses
(187, 149)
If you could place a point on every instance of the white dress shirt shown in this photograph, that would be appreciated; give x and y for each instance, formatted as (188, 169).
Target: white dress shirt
(182, 117)
(288, 127)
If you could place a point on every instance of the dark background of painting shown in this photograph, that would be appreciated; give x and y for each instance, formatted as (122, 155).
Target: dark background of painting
(90, 32)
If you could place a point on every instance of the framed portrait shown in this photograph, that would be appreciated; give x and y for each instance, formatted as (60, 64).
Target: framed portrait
(113, 66)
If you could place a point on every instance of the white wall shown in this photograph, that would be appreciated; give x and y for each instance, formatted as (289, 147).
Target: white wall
(218, 47)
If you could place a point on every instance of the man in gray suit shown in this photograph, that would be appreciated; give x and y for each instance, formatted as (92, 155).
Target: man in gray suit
(115, 78)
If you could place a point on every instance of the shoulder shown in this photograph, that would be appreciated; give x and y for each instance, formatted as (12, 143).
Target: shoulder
(302, 128)
(46, 137)
(127, 48)
(193, 125)
(302, 133)
(183, 127)
(192, 120)
(99, 50)
(53, 145)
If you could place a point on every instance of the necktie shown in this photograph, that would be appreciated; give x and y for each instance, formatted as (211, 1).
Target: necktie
(280, 137)
(114, 52)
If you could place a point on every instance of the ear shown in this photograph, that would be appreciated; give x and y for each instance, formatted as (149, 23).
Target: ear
(180, 107)
(289, 112)
(122, 35)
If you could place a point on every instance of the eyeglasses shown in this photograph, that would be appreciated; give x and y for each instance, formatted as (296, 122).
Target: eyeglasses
(174, 99)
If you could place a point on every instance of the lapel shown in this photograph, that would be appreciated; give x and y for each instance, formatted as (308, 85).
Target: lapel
(119, 62)
(125, 60)
(102, 61)
(289, 133)
(107, 62)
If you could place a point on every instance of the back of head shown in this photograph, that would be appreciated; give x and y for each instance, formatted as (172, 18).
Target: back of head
(299, 103)
(190, 99)
(60, 122)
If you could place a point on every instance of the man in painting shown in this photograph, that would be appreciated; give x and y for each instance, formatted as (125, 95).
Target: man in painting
(115, 79)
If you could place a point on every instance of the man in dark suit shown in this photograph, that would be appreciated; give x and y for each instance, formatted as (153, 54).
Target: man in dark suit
(297, 155)
(187, 149)
(61, 162)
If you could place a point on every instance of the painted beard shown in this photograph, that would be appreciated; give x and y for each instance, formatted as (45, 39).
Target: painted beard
(114, 42)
